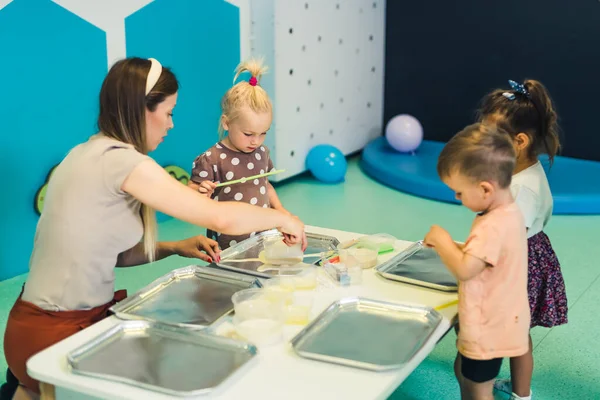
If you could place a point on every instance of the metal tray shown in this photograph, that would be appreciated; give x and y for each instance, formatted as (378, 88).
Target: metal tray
(161, 358)
(367, 334)
(191, 297)
(419, 265)
(250, 248)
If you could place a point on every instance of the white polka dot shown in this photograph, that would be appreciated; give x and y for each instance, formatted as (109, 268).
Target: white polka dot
(262, 148)
(243, 180)
(238, 196)
(203, 174)
(215, 168)
(216, 198)
(265, 206)
(272, 169)
(193, 165)
(253, 201)
(258, 157)
(263, 190)
(235, 161)
(252, 234)
(232, 243)
(262, 171)
(218, 146)
(227, 189)
(256, 181)
(229, 175)
(208, 153)
(223, 156)
(250, 165)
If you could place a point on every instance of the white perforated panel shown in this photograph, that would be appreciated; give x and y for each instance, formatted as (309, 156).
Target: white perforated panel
(326, 62)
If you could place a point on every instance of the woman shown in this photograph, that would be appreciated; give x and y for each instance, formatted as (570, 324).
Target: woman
(100, 203)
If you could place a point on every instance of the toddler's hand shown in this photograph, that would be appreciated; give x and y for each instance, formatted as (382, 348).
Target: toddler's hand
(436, 236)
(207, 188)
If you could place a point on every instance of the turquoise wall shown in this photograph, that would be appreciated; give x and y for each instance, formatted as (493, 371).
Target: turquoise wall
(52, 63)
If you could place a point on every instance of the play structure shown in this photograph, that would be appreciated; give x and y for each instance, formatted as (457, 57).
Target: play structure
(575, 183)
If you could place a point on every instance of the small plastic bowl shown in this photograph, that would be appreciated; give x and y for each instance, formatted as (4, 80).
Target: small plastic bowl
(283, 286)
(304, 278)
(259, 331)
(257, 303)
(259, 315)
(364, 256)
(380, 241)
(298, 313)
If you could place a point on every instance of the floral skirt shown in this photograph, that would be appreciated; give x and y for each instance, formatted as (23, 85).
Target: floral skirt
(547, 295)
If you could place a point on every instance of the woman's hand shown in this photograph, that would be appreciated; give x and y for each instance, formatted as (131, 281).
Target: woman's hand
(293, 232)
(199, 247)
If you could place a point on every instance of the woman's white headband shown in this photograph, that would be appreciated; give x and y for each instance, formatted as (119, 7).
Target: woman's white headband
(153, 75)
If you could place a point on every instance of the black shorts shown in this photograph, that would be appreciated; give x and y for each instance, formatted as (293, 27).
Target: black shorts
(480, 370)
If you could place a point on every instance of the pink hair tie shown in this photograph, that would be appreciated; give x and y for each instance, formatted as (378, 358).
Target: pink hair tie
(253, 81)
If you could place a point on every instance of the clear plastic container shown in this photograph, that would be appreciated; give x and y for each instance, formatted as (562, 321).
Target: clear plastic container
(355, 273)
(278, 253)
(303, 276)
(282, 286)
(382, 242)
(299, 311)
(259, 315)
(344, 275)
(362, 255)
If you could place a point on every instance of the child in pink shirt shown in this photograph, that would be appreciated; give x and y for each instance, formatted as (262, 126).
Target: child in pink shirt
(491, 267)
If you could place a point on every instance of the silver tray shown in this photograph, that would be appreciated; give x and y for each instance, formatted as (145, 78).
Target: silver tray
(161, 358)
(419, 265)
(367, 334)
(250, 248)
(191, 297)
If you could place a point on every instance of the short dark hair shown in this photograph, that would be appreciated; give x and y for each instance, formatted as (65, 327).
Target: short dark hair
(480, 152)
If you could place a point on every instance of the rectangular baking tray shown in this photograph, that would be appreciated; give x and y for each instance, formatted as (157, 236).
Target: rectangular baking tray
(419, 265)
(367, 334)
(161, 358)
(250, 248)
(193, 297)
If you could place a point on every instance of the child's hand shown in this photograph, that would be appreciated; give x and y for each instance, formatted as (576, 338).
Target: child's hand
(437, 236)
(207, 188)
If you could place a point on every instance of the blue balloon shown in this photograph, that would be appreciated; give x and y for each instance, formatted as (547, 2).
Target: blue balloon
(327, 163)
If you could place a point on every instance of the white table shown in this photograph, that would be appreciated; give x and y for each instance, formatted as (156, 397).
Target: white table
(277, 372)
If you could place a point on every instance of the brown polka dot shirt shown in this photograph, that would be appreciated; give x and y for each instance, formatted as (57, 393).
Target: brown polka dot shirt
(220, 164)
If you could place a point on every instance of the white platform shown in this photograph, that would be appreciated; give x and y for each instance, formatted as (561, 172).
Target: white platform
(277, 373)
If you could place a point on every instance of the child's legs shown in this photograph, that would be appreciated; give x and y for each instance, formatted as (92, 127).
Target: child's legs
(458, 374)
(477, 377)
(521, 371)
(478, 390)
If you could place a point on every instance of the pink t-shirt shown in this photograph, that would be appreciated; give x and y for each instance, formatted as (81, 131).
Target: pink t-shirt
(493, 308)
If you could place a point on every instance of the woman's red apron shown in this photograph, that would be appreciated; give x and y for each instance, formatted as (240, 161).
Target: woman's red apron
(30, 329)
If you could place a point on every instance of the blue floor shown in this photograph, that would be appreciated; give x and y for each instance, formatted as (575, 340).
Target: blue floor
(567, 358)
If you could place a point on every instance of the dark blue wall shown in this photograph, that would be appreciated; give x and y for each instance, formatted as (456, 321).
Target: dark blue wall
(443, 56)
